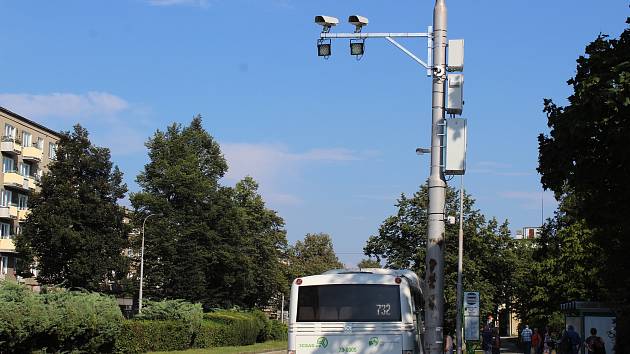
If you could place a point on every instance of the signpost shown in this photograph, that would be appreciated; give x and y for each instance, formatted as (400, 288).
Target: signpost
(471, 316)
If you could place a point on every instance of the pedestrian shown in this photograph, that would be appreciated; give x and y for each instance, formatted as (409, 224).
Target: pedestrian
(496, 342)
(547, 342)
(486, 340)
(536, 341)
(571, 341)
(595, 344)
(448, 344)
(526, 337)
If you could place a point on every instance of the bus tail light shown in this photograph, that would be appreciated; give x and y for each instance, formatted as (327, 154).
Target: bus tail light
(298, 281)
(398, 281)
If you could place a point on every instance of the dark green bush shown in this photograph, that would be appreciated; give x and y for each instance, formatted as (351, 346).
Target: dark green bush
(56, 321)
(240, 328)
(279, 331)
(140, 336)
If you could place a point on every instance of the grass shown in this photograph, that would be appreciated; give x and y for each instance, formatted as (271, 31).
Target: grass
(255, 348)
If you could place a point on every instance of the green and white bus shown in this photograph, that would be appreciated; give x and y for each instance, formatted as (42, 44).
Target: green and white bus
(367, 311)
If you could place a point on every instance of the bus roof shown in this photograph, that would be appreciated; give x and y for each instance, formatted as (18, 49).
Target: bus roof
(409, 275)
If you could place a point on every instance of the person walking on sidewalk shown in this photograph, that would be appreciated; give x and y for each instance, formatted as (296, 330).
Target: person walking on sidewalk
(526, 337)
(486, 340)
(595, 344)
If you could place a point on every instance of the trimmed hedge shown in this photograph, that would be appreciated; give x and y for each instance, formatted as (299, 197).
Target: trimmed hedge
(217, 329)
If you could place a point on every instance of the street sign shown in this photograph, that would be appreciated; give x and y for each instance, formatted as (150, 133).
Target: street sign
(471, 315)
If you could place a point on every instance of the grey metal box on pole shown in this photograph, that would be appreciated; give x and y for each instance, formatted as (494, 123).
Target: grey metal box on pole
(455, 163)
(455, 102)
(455, 55)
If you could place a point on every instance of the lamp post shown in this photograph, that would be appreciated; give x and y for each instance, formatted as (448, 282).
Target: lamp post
(460, 267)
(142, 262)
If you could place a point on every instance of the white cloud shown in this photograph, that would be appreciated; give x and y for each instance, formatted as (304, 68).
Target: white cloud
(274, 166)
(200, 3)
(64, 105)
(496, 168)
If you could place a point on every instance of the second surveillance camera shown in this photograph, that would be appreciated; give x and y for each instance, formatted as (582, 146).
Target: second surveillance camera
(358, 21)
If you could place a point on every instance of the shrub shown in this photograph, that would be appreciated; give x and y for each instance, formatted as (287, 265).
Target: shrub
(58, 321)
(279, 331)
(140, 336)
(239, 328)
(175, 310)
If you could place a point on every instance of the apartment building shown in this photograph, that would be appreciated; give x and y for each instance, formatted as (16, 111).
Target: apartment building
(27, 147)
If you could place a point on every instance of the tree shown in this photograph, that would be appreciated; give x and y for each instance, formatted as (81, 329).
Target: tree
(75, 232)
(565, 264)
(584, 156)
(266, 242)
(212, 244)
(314, 255)
(369, 263)
(192, 250)
(489, 261)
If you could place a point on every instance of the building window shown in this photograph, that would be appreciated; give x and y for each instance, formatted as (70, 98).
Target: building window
(9, 131)
(40, 143)
(8, 164)
(25, 169)
(5, 198)
(52, 151)
(5, 230)
(4, 265)
(26, 139)
(22, 202)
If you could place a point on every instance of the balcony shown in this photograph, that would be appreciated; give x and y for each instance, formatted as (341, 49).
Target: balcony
(8, 212)
(32, 153)
(10, 146)
(7, 245)
(23, 214)
(14, 179)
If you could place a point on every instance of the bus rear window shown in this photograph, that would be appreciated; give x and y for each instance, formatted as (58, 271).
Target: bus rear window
(349, 303)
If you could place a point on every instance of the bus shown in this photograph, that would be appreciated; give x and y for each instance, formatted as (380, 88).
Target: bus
(366, 311)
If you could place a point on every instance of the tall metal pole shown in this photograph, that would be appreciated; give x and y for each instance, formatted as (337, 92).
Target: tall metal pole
(460, 268)
(434, 299)
(142, 263)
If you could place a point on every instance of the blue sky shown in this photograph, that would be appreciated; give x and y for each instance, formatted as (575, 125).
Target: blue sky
(330, 141)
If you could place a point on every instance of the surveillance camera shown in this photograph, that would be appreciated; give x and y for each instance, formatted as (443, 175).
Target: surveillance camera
(326, 21)
(358, 21)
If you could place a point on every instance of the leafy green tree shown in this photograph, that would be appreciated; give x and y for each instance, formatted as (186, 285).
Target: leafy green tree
(265, 243)
(75, 230)
(193, 249)
(566, 262)
(369, 263)
(585, 156)
(489, 263)
(314, 255)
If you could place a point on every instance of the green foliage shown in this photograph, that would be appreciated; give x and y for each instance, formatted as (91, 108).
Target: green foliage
(279, 331)
(369, 263)
(314, 255)
(56, 321)
(212, 244)
(491, 257)
(173, 310)
(75, 229)
(140, 336)
(584, 157)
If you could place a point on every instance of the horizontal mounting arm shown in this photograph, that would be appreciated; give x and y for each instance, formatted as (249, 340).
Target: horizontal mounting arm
(372, 35)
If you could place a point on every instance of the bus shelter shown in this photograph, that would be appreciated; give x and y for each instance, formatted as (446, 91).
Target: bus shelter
(584, 315)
